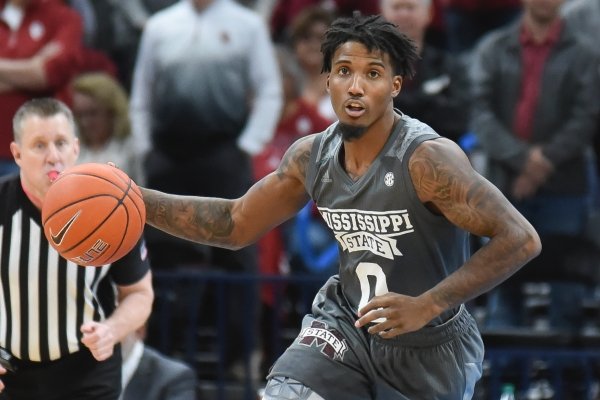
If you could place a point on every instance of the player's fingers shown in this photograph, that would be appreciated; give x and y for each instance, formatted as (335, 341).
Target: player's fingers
(383, 324)
(369, 317)
(373, 304)
(376, 302)
(390, 333)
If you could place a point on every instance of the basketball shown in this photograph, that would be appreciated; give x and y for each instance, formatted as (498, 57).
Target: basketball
(93, 214)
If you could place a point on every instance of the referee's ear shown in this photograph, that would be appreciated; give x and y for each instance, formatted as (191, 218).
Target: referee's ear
(16, 152)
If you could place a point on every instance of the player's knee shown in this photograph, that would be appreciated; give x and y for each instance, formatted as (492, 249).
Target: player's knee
(282, 388)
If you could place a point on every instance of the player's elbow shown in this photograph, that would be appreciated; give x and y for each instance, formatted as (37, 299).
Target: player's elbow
(530, 243)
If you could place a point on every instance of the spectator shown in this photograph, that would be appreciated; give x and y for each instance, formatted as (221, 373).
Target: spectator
(437, 94)
(101, 108)
(206, 97)
(286, 11)
(298, 118)
(149, 375)
(306, 33)
(468, 20)
(584, 16)
(61, 322)
(114, 28)
(40, 42)
(535, 91)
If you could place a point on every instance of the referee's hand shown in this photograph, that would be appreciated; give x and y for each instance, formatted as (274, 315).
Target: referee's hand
(99, 339)
(2, 372)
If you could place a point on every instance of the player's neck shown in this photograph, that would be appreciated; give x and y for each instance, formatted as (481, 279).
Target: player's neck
(359, 154)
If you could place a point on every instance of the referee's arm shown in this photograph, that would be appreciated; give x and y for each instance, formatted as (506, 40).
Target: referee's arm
(133, 309)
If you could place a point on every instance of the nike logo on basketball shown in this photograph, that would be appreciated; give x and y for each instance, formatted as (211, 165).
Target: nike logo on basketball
(58, 238)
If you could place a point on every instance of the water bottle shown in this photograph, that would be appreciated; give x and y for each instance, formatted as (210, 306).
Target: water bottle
(508, 392)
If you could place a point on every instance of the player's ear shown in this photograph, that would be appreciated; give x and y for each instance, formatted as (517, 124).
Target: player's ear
(16, 152)
(397, 85)
(327, 84)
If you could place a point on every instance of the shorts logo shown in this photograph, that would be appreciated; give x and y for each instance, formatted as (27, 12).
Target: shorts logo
(329, 340)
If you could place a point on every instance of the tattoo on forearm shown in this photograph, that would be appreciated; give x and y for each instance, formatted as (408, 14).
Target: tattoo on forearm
(200, 219)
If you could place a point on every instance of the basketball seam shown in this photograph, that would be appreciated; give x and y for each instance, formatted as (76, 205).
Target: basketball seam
(75, 202)
(119, 203)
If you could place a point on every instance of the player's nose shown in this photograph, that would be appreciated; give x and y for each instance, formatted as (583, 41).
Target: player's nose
(356, 86)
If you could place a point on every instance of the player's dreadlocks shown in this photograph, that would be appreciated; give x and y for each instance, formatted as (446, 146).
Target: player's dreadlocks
(374, 33)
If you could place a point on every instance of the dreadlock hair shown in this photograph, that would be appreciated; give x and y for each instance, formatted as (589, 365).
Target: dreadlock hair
(375, 33)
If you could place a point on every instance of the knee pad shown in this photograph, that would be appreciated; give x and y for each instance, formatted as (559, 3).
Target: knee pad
(283, 388)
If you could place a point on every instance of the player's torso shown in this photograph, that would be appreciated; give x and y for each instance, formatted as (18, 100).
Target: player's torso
(388, 240)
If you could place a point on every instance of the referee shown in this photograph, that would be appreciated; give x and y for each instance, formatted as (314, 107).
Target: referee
(60, 322)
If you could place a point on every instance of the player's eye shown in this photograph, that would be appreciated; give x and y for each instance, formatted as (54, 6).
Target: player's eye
(374, 74)
(343, 71)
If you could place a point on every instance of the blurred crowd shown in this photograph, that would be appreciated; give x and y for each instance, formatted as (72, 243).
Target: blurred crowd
(203, 97)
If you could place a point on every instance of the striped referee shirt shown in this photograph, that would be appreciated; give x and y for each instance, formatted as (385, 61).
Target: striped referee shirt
(44, 298)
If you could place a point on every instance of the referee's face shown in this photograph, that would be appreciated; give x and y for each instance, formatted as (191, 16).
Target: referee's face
(47, 147)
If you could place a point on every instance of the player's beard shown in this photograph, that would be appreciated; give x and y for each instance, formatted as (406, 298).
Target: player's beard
(351, 132)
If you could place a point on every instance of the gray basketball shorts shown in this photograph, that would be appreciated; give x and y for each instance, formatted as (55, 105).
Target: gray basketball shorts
(339, 361)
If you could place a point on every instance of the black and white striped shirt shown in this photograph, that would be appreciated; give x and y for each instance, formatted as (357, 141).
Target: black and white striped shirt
(44, 298)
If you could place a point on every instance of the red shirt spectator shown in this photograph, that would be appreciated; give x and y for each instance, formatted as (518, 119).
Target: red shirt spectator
(534, 56)
(39, 53)
(302, 120)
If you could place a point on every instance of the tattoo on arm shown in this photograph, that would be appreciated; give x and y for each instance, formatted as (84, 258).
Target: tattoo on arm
(443, 177)
(465, 201)
(295, 161)
(204, 220)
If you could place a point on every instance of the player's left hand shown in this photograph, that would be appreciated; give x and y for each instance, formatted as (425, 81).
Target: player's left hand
(99, 338)
(392, 314)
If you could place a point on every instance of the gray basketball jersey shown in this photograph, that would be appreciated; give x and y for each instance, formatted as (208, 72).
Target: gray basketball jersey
(388, 240)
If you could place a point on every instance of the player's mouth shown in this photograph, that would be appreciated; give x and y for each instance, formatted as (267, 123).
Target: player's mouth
(52, 175)
(355, 108)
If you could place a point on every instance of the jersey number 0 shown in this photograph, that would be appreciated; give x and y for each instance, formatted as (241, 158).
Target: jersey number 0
(364, 270)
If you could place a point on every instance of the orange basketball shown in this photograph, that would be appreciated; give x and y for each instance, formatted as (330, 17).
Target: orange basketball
(93, 214)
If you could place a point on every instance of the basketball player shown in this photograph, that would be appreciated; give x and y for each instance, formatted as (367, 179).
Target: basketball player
(57, 319)
(401, 201)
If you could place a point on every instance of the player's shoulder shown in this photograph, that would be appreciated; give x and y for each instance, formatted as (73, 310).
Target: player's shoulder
(302, 145)
(437, 145)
